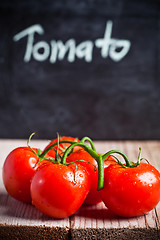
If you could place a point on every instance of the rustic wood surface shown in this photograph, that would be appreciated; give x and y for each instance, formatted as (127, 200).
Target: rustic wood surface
(24, 221)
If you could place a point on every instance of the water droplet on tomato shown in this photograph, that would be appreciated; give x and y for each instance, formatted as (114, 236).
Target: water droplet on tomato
(32, 162)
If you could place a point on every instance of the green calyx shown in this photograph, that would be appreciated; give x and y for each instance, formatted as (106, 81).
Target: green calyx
(100, 158)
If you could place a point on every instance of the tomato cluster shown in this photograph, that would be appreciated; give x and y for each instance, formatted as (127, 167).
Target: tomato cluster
(69, 172)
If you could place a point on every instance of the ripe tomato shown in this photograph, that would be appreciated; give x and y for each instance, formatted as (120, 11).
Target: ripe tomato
(93, 196)
(130, 192)
(62, 146)
(54, 191)
(18, 170)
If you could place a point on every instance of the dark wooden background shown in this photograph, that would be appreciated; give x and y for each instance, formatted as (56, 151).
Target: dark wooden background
(103, 99)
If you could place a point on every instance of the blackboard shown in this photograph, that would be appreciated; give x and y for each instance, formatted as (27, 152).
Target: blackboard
(80, 68)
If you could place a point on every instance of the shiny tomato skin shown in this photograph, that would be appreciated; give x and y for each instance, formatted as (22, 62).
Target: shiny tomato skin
(130, 192)
(62, 146)
(93, 196)
(17, 172)
(54, 191)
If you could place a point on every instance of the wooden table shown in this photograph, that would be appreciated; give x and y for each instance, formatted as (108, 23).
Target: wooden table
(24, 221)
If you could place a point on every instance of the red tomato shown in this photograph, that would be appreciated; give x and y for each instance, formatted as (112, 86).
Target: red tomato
(93, 196)
(62, 146)
(54, 191)
(130, 192)
(18, 170)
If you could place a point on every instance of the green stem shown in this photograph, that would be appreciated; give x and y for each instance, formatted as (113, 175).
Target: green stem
(128, 162)
(28, 144)
(100, 173)
(53, 145)
(139, 158)
(90, 141)
(56, 151)
(93, 153)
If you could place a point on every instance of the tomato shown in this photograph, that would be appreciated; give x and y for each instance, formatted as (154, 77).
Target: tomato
(57, 192)
(130, 192)
(93, 196)
(62, 146)
(18, 170)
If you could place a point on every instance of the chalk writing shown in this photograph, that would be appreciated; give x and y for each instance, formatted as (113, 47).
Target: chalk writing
(54, 51)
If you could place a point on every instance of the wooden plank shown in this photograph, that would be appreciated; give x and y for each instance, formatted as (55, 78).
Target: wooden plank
(24, 221)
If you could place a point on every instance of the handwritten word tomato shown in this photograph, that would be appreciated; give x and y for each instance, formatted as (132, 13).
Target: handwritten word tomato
(59, 190)
(62, 146)
(130, 192)
(91, 166)
(18, 170)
